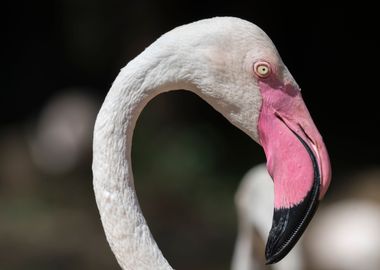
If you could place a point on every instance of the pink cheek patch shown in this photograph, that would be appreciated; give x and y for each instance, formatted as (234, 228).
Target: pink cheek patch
(288, 161)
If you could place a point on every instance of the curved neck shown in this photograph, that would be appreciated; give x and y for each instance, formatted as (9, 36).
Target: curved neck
(125, 227)
(210, 58)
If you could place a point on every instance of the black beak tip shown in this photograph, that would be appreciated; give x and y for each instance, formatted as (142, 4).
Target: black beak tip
(288, 226)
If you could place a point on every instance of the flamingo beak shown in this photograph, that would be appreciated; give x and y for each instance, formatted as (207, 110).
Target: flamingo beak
(298, 162)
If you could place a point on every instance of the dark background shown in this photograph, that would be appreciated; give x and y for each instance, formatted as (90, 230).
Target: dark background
(52, 46)
(331, 51)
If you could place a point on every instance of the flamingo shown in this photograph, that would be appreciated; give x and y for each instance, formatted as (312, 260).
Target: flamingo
(254, 201)
(234, 66)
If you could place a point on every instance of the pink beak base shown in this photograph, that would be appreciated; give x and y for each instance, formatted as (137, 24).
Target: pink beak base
(298, 162)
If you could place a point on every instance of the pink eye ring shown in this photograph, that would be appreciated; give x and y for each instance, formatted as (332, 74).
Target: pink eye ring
(262, 69)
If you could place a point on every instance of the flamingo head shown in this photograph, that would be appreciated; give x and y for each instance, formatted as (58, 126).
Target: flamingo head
(250, 85)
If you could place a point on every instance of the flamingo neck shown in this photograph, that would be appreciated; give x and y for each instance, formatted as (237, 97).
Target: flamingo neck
(124, 224)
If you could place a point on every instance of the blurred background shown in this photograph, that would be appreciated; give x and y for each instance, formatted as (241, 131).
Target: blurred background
(59, 60)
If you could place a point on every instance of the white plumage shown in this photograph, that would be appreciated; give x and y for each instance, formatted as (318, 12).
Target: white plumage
(213, 58)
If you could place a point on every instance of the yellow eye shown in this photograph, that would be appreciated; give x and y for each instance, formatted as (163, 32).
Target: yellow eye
(262, 69)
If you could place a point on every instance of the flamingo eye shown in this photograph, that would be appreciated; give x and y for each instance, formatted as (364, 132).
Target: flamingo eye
(262, 69)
